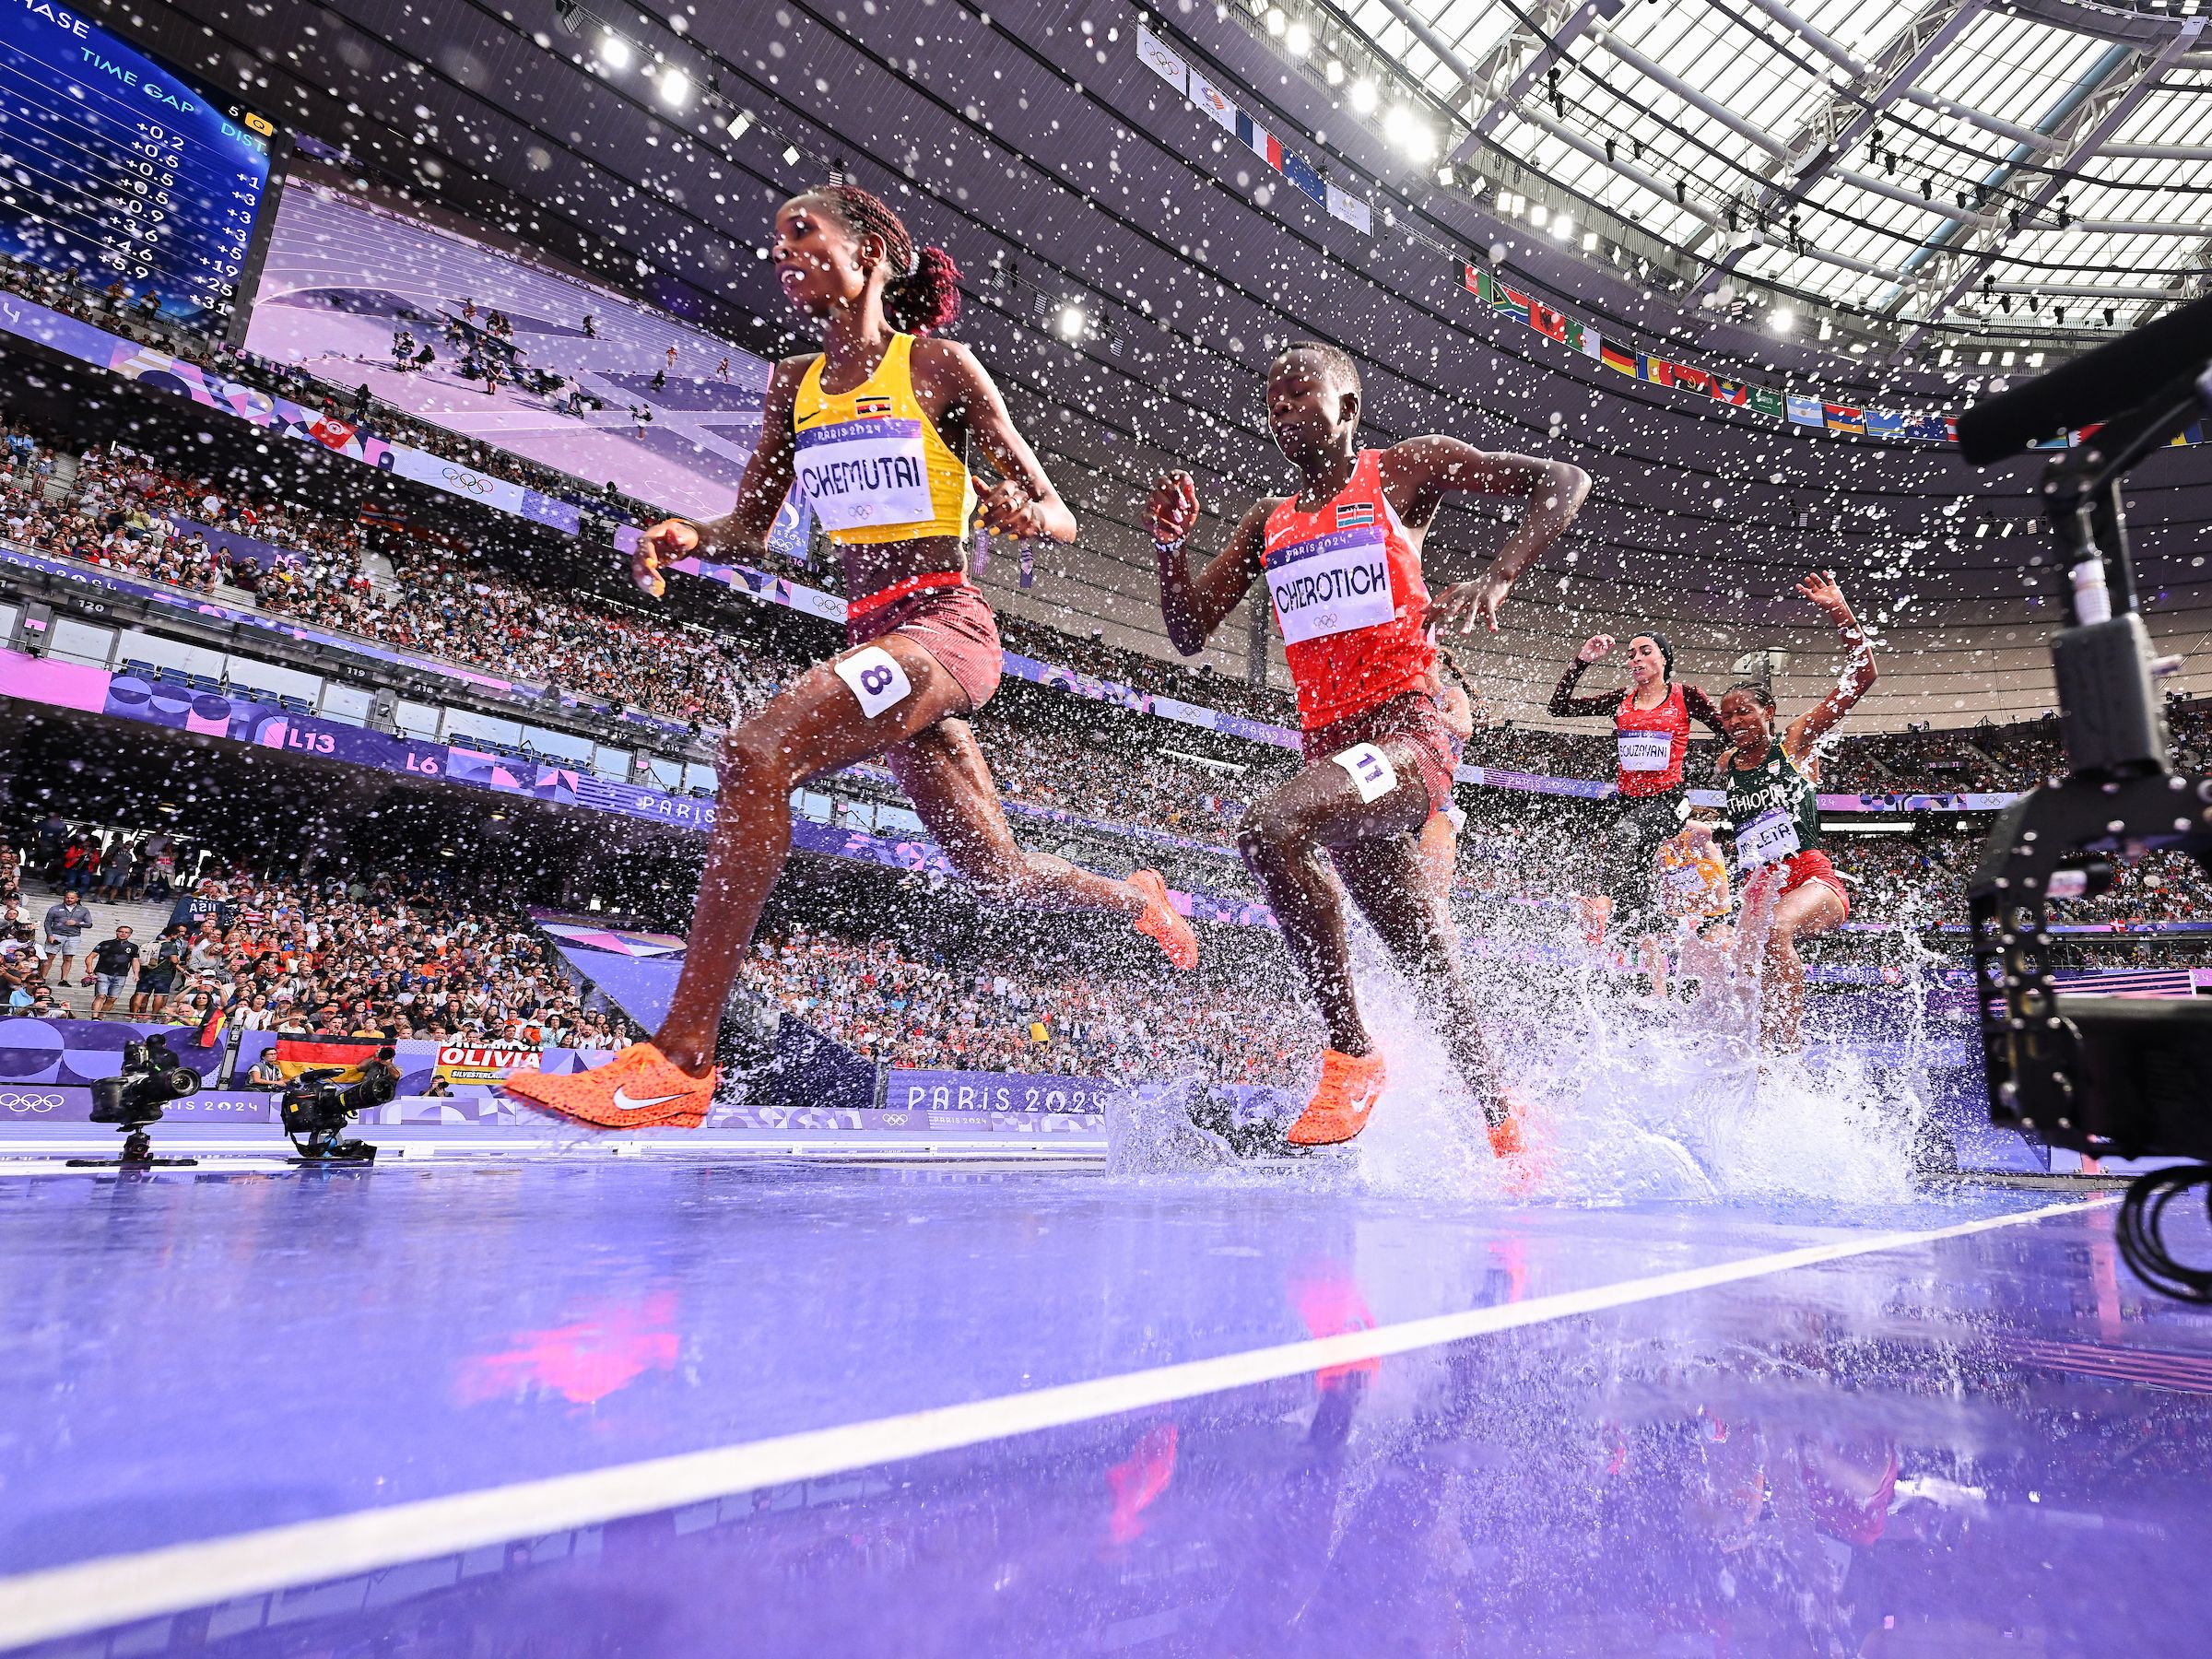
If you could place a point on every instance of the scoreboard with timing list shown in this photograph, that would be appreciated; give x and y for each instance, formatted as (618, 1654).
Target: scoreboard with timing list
(121, 174)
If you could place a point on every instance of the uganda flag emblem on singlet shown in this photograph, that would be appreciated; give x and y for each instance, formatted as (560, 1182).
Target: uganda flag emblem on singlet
(869, 408)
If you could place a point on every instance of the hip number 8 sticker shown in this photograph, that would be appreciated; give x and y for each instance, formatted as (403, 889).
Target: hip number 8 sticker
(875, 678)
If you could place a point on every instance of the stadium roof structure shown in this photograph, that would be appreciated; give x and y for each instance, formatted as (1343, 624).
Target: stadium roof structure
(1921, 173)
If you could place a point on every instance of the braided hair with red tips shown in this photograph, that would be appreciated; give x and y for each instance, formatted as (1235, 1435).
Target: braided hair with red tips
(922, 293)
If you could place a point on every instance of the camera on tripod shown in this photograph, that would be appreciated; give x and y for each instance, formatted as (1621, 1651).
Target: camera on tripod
(2108, 1075)
(151, 1078)
(316, 1108)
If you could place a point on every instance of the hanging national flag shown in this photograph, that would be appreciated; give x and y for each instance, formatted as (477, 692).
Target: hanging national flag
(1658, 371)
(1925, 428)
(1730, 392)
(1692, 380)
(1583, 338)
(1513, 303)
(1620, 360)
(1546, 322)
(1212, 101)
(1763, 402)
(1028, 564)
(1475, 281)
(1259, 141)
(1306, 176)
(1353, 210)
(1162, 61)
(1842, 418)
(1805, 411)
(1881, 423)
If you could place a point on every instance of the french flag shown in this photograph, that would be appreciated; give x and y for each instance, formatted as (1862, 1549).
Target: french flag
(1260, 141)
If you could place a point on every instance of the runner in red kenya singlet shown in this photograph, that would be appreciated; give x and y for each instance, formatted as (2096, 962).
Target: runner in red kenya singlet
(1342, 561)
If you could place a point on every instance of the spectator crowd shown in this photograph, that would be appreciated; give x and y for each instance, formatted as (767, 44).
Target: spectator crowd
(901, 1006)
(384, 956)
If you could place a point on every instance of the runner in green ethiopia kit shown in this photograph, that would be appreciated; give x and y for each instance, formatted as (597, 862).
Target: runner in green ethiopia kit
(1774, 807)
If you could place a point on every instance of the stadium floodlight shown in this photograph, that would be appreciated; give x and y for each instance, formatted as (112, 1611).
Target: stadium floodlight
(614, 51)
(675, 88)
(1364, 96)
(1781, 320)
(1297, 40)
(1072, 321)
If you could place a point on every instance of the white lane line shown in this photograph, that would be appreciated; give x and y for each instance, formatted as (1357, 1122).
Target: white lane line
(116, 1589)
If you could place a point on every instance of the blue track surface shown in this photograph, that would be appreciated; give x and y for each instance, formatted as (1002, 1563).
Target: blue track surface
(1785, 1452)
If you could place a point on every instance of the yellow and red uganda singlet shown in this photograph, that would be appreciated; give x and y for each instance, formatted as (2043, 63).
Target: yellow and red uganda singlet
(1349, 598)
(870, 460)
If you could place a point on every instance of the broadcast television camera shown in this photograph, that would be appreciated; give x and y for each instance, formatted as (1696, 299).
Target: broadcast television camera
(316, 1108)
(2107, 1075)
(151, 1078)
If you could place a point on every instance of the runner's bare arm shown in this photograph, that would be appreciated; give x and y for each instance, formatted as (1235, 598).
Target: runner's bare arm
(1420, 471)
(1858, 673)
(1563, 699)
(1021, 500)
(1196, 605)
(768, 472)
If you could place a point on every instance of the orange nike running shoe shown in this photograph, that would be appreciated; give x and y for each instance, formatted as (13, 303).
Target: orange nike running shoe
(1342, 1102)
(639, 1089)
(1515, 1145)
(1159, 922)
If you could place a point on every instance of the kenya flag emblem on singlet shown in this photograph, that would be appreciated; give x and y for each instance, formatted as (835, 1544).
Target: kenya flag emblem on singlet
(1352, 513)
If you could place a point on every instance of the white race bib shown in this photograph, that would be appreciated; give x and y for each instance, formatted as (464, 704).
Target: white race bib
(1332, 585)
(875, 678)
(1646, 751)
(1372, 774)
(864, 475)
(1767, 839)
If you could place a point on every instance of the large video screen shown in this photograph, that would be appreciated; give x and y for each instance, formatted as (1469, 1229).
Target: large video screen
(115, 169)
(506, 349)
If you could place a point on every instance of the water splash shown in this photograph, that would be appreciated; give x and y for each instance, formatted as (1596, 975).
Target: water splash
(1631, 1101)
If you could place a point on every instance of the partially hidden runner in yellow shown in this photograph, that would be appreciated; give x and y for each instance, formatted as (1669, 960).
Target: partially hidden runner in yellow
(1342, 562)
(873, 427)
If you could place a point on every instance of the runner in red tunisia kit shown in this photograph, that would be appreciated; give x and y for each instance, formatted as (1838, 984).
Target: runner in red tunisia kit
(1651, 725)
(1342, 561)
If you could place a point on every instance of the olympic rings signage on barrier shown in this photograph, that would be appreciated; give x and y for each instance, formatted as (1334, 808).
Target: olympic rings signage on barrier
(456, 480)
(22, 1102)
